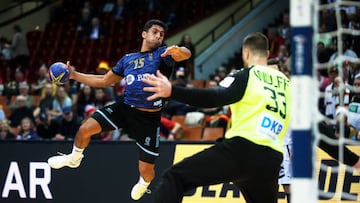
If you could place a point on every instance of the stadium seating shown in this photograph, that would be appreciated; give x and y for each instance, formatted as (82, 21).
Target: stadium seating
(210, 133)
(62, 36)
(191, 134)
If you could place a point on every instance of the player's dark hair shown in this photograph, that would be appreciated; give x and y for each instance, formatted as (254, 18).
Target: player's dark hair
(257, 43)
(152, 22)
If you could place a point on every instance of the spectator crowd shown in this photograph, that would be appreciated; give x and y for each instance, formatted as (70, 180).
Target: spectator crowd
(32, 108)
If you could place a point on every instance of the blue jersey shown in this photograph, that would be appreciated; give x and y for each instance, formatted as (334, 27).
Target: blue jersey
(132, 67)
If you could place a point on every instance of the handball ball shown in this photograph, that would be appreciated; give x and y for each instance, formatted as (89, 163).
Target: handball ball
(58, 73)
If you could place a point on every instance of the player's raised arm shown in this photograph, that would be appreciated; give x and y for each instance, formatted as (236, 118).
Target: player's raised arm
(177, 53)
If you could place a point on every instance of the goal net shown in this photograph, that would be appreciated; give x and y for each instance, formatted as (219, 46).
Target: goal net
(326, 80)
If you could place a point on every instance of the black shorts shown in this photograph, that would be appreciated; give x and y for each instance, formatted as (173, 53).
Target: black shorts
(142, 126)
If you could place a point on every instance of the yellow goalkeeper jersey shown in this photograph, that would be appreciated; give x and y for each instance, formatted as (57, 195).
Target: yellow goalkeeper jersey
(263, 114)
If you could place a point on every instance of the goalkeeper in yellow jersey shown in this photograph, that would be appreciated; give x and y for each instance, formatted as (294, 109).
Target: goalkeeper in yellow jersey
(252, 151)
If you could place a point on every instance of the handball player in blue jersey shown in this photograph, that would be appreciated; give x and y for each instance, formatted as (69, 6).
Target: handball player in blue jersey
(134, 109)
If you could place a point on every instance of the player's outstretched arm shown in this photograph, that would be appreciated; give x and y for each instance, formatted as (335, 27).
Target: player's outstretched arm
(71, 69)
(92, 79)
(199, 97)
(177, 53)
(73, 72)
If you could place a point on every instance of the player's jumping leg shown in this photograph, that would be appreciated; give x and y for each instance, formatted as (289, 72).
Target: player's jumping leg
(82, 139)
(147, 174)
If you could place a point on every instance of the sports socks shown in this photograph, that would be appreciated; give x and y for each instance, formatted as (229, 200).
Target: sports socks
(77, 153)
(143, 182)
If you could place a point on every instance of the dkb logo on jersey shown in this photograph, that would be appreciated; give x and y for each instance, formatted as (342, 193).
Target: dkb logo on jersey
(270, 126)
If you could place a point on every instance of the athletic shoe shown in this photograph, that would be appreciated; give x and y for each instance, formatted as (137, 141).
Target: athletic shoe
(62, 160)
(138, 191)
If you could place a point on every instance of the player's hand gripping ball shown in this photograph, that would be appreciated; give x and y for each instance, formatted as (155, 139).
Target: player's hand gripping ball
(58, 73)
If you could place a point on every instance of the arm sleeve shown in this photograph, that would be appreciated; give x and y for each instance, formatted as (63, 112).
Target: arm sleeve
(232, 90)
(118, 69)
(350, 158)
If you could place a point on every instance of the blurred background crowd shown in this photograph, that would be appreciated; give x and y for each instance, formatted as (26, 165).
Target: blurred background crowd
(95, 34)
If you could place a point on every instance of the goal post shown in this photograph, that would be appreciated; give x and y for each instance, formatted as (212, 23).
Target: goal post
(303, 185)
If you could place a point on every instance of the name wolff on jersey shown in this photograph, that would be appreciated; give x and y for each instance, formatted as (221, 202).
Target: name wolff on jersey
(275, 81)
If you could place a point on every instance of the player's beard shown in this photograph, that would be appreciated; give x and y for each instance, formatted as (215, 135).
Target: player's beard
(153, 44)
(157, 44)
